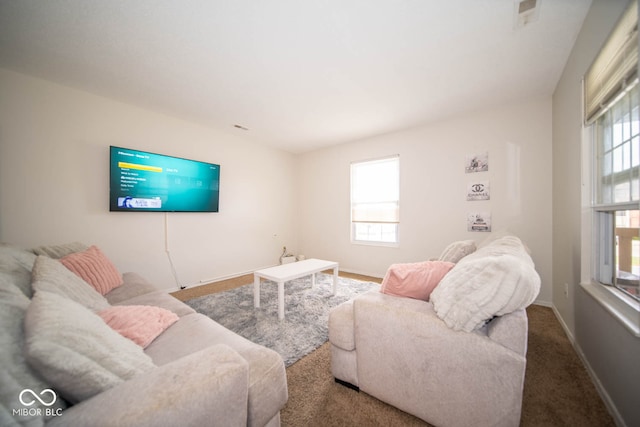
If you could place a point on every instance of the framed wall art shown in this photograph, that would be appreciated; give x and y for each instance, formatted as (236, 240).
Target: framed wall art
(477, 163)
(479, 221)
(478, 190)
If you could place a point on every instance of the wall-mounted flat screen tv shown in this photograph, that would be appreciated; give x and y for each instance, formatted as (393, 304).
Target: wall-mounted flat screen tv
(150, 182)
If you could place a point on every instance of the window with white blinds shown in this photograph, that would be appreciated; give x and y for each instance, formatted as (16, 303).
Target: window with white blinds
(612, 111)
(615, 67)
(375, 201)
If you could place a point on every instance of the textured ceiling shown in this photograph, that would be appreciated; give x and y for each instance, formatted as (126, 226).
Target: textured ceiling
(298, 74)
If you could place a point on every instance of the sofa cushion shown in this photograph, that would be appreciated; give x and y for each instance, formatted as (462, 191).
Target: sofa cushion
(497, 279)
(51, 276)
(58, 251)
(75, 350)
(457, 250)
(414, 280)
(133, 285)
(136, 290)
(94, 268)
(161, 299)
(140, 323)
(15, 374)
(16, 265)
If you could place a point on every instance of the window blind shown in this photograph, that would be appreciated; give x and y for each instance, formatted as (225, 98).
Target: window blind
(615, 67)
(375, 191)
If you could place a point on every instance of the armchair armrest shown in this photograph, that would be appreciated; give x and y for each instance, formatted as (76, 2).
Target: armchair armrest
(209, 387)
(511, 330)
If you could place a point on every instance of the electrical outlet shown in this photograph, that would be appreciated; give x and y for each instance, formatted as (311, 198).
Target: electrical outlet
(566, 290)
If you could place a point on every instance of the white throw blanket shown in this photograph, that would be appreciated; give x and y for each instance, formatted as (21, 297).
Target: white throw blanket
(495, 280)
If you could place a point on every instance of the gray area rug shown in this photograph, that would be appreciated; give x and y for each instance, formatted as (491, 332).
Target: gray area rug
(306, 323)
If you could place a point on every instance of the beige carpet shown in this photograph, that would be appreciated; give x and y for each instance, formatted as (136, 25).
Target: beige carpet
(557, 391)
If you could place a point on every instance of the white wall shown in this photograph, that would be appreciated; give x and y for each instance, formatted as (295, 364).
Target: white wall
(54, 185)
(609, 349)
(433, 206)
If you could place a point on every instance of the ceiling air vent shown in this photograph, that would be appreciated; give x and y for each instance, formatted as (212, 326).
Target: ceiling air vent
(526, 12)
(526, 5)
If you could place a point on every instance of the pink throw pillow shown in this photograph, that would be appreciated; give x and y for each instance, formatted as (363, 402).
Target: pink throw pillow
(94, 268)
(414, 280)
(140, 323)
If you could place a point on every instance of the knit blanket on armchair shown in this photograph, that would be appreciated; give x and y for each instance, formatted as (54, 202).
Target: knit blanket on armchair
(496, 279)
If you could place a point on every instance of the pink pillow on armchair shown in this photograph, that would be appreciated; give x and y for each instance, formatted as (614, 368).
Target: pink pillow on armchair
(414, 280)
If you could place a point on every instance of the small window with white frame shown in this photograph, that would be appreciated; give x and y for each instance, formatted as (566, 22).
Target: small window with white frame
(375, 201)
(612, 111)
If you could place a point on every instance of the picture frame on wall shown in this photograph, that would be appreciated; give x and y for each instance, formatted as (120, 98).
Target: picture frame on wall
(477, 162)
(478, 190)
(479, 222)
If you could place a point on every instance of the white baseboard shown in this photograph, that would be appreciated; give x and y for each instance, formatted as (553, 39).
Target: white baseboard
(233, 276)
(544, 304)
(215, 279)
(362, 273)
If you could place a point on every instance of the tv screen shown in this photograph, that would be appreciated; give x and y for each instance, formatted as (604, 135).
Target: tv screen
(149, 182)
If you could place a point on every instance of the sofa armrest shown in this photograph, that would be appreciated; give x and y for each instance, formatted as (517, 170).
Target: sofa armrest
(209, 387)
(410, 358)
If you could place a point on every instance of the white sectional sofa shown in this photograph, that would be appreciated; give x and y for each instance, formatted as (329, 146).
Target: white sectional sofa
(195, 372)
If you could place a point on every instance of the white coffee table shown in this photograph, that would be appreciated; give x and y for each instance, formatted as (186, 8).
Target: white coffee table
(285, 272)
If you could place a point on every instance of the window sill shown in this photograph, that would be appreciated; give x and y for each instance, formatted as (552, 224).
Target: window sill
(622, 308)
(371, 243)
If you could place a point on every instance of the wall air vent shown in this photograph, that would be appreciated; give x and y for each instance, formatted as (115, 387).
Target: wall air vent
(526, 12)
